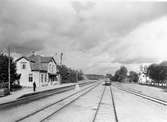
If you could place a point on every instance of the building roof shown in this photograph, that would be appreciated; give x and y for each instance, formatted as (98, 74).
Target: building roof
(21, 58)
(38, 63)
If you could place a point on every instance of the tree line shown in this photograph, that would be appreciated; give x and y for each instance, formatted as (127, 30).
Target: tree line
(122, 75)
(156, 72)
(69, 75)
(4, 60)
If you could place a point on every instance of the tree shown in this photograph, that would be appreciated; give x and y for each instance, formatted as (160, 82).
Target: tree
(121, 74)
(80, 75)
(116, 76)
(69, 75)
(157, 72)
(133, 76)
(4, 70)
(63, 71)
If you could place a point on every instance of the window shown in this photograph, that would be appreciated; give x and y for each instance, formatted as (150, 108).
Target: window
(45, 77)
(30, 78)
(23, 66)
(52, 68)
(41, 77)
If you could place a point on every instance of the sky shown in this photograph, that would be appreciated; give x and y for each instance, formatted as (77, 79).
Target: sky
(96, 36)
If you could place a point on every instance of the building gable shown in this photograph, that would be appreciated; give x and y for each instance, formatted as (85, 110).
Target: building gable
(23, 65)
(23, 57)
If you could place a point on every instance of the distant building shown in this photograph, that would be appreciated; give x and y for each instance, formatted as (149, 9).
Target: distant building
(143, 78)
(42, 70)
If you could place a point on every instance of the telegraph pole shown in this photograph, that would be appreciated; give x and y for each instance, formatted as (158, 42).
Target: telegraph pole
(61, 58)
(77, 76)
(9, 68)
(77, 84)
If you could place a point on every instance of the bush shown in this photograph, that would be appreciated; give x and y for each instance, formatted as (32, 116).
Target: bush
(133, 77)
(15, 87)
(69, 75)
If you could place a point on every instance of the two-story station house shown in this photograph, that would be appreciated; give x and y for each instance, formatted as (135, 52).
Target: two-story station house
(38, 69)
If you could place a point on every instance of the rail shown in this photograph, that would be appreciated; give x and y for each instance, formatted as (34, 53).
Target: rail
(89, 88)
(150, 98)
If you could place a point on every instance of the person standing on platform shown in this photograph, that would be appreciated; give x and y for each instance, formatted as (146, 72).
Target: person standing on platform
(34, 86)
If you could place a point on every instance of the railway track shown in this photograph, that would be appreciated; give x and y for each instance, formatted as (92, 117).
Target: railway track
(65, 102)
(98, 106)
(136, 93)
(114, 107)
(100, 103)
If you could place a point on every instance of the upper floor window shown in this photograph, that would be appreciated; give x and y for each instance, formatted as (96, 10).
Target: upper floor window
(23, 65)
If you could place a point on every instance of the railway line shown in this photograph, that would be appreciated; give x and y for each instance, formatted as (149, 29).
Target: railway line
(104, 108)
(114, 106)
(106, 104)
(94, 103)
(139, 94)
(99, 104)
(44, 113)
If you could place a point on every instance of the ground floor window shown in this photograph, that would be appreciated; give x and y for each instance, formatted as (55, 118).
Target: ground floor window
(52, 78)
(45, 77)
(30, 78)
(41, 77)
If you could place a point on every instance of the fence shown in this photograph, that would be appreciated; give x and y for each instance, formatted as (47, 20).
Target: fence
(156, 84)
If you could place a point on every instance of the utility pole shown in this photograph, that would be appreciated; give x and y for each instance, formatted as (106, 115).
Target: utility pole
(9, 68)
(76, 77)
(61, 58)
(77, 84)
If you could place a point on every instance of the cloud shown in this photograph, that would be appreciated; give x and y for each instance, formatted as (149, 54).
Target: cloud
(78, 6)
(106, 20)
(146, 44)
(27, 47)
(100, 21)
(95, 33)
(139, 60)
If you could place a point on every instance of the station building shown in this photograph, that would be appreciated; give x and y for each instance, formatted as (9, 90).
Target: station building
(39, 69)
